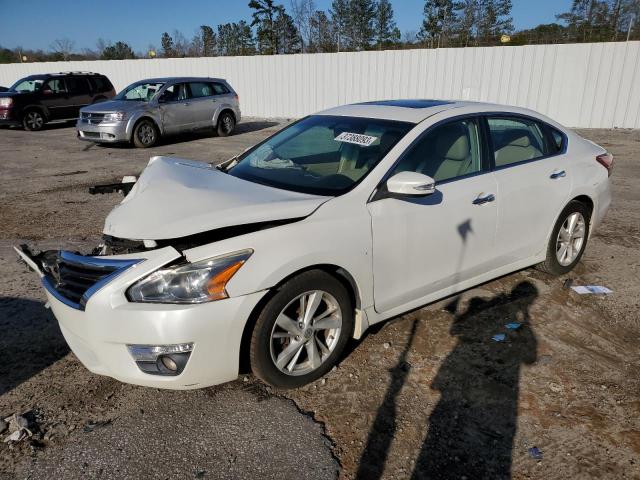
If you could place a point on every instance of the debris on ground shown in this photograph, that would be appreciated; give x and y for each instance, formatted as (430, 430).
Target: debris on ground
(499, 337)
(535, 453)
(386, 345)
(3, 426)
(513, 325)
(588, 289)
(567, 283)
(19, 427)
(91, 426)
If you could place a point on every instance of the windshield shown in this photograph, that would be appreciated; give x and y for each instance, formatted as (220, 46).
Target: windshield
(141, 91)
(27, 85)
(320, 154)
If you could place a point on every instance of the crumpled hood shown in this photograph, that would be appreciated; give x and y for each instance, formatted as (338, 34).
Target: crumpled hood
(115, 106)
(174, 198)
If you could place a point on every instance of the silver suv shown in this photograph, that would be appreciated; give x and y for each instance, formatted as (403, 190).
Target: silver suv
(147, 109)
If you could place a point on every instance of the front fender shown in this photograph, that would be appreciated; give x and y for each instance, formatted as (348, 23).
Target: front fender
(133, 119)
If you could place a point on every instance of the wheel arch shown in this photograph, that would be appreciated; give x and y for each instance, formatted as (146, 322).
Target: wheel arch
(225, 109)
(41, 108)
(134, 121)
(340, 273)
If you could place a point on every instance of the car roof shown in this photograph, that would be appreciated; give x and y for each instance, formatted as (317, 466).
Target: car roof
(411, 110)
(182, 79)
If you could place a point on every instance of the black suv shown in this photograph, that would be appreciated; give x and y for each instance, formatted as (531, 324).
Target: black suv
(34, 100)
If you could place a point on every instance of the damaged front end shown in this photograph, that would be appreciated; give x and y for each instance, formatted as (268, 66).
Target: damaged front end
(70, 277)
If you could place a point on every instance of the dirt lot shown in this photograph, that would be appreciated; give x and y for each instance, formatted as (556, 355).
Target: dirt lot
(428, 394)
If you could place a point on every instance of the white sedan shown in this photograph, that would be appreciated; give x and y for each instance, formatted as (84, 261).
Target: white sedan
(339, 221)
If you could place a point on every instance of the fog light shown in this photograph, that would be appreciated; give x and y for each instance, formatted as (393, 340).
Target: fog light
(161, 359)
(169, 363)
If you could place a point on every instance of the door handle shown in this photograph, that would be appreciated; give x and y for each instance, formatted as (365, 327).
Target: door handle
(558, 174)
(485, 199)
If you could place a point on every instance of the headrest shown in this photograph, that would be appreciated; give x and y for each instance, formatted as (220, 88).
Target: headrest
(517, 138)
(452, 143)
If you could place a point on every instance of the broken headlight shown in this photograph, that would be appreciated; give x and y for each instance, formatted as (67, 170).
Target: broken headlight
(198, 282)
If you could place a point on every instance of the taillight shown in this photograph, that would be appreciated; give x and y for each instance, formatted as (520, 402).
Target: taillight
(606, 160)
(6, 102)
(236, 97)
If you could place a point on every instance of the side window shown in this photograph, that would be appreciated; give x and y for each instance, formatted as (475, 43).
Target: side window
(175, 92)
(448, 151)
(220, 89)
(100, 84)
(200, 89)
(516, 140)
(55, 85)
(77, 86)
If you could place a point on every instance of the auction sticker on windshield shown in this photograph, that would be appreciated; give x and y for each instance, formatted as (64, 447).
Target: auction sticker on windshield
(357, 138)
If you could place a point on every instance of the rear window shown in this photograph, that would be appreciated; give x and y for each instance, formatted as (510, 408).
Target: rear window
(77, 85)
(516, 140)
(220, 89)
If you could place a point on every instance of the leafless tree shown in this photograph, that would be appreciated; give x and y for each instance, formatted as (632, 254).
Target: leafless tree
(63, 47)
(302, 11)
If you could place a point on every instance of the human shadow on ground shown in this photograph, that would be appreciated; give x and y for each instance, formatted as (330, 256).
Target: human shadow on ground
(472, 428)
(31, 340)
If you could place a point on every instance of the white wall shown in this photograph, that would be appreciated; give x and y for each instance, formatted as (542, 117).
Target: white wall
(580, 85)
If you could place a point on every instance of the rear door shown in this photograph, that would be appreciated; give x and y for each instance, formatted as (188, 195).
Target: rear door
(534, 182)
(203, 103)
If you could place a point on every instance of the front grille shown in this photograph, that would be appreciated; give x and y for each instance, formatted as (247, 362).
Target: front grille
(92, 118)
(73, 278)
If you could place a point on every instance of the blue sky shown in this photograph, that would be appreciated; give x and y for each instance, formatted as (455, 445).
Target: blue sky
(37, 23)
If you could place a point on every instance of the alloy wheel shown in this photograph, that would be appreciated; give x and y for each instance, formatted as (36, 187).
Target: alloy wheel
(305, 333)
(146, 134)
(34, 120)
(570, 239)
(227, 123)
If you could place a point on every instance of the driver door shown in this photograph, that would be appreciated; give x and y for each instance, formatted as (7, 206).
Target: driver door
(55, 98)
(432, 244)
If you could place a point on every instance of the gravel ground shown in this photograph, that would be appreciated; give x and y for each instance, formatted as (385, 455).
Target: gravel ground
(427, 393)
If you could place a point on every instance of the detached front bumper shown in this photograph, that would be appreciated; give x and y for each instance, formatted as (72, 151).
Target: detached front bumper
(102, 133)
(100, 331)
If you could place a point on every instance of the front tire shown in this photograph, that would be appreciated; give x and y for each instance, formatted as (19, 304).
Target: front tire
(568, 239)
(33, 120)
(145, 134)
(226, 124)
(302, 330)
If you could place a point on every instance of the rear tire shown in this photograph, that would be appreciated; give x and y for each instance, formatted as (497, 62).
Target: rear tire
(226, 124)
(568, 239)
(33, 120)
(290, 349)
(145, 134)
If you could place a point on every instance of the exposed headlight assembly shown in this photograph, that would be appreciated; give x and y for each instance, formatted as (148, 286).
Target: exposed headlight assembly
(198, 282)
(114, 117)
(6, 102)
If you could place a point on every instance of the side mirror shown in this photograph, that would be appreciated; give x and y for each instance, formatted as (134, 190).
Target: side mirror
(411, 184)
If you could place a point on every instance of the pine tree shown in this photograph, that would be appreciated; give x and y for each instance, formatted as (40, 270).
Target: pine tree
(167, 45)
(360, 31)
(321, 33)
(467, 21)
(288, 37)
(494, 20)
(340, 19)
(208, 38)
(386, 31)
(264, 18)
(438, 22)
